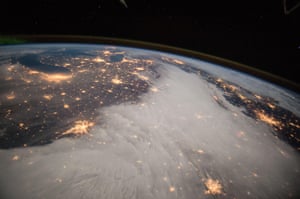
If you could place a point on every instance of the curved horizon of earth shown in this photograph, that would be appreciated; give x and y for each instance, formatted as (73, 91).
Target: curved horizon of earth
(90, 121)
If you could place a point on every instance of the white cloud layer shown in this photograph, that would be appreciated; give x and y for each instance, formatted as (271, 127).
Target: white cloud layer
(163, 147)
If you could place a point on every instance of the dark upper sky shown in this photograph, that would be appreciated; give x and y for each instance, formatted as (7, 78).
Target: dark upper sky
(257, 33)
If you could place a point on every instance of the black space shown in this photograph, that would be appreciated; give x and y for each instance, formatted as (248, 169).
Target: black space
(257, 33)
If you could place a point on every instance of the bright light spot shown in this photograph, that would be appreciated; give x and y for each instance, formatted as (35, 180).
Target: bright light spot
(15, 157)
(178, 61)
(21, 125)
(139, 68)
(232, 88)
(26, 80)
(200, 151)
(175, 61)
(142, 77)
(107, 52)
(48, 97)
(116, 80)
(81, 127)
(216, 98)
(10, 68)
(139, 161)
(219, 80)
(295, 125)
(213, 187)
(131, 61)
(98, 59)
(172, 189)
(58, 180)
(258, 97)
(199, 116)
(66, 106)
(272, 106)
(77, 98)
(11, 96)
(242, 97)
(56, 78)
(83, 71)
(154, 89)
(63, 93)
(240, 134)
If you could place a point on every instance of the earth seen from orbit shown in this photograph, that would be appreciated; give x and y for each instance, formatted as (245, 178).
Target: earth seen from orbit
(108, 121)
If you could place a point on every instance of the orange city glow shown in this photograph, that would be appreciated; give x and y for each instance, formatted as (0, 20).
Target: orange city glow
(213, 187)
(81, 127)
(268, 119)
(57, 77)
